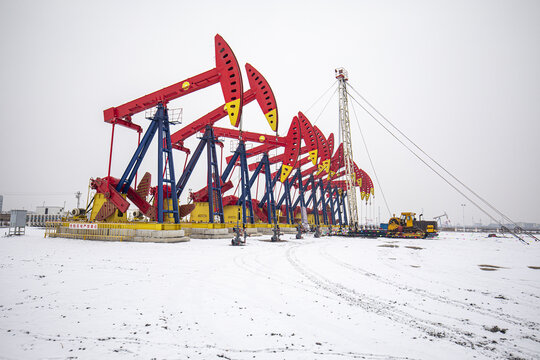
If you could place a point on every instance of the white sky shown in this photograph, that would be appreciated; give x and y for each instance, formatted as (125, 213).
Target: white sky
(461, 78)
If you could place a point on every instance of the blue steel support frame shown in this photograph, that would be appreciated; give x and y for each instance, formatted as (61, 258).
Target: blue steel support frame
(300, 199)
(136, 159)
(209, 140)
(331, 200)
(273, 184)
(269, 184)
(323, 202)
(213, 179)
(245, 181)
(162, 119)
(160, 123)
(271, 210)
(245, 198)
(288, 204)
(313, 200)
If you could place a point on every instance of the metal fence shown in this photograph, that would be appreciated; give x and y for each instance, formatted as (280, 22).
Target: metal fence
(41, 219)
(101, 231)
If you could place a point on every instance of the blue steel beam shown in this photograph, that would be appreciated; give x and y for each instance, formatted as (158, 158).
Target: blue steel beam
(136, 159)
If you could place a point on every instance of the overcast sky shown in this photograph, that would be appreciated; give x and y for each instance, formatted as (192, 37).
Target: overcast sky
(461, 78)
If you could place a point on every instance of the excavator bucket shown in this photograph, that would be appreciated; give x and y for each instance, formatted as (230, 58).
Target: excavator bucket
(230, 79)
(264, 95)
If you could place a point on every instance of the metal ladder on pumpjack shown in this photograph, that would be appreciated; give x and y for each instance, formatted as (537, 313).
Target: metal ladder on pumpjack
(214, 181)
(167, 176)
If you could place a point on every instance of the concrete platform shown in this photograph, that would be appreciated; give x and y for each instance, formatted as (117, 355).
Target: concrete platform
(198, 233)
(135, 235)
(266, 231)
(253, 231)
(287, 230)
(160, 236)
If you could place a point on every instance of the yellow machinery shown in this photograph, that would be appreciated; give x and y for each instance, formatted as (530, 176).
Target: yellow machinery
(116, 217)
(231, 213)
(407, 226)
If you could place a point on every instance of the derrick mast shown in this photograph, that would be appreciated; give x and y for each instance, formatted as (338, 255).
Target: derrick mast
(345, 129)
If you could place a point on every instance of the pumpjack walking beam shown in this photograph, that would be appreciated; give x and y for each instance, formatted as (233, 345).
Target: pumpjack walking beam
(259, 90)
(226, 72)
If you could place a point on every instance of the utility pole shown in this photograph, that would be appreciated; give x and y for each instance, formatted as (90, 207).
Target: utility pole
(78, 196)
(463, 207)
(345, 128)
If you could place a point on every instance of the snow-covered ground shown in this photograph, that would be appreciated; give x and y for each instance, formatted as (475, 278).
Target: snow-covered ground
(460, 296)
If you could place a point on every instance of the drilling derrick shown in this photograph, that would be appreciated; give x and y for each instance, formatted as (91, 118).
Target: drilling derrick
(345, 128)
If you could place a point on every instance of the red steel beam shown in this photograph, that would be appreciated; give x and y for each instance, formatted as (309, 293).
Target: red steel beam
(226, 72)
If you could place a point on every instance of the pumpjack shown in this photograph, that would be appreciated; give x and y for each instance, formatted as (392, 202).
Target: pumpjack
(324, 186)
(111, 192)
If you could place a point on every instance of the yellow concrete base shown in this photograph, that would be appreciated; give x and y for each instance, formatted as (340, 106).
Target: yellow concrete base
(167, 205)
(116, 217)
(138, 232)
(231, 213)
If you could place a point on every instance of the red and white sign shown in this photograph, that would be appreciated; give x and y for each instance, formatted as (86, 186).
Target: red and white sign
(82, 226)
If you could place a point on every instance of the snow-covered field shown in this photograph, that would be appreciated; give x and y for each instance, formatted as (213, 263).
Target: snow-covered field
(460, 296)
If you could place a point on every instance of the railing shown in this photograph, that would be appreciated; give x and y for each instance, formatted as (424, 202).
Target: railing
(175, 115)
(85, 231)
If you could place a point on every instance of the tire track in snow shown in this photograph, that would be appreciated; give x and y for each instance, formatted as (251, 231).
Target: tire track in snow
(266, 272)
(493, 313)
(119, 342)
(438, 330)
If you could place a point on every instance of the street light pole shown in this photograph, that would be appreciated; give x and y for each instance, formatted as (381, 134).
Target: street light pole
(463, 207)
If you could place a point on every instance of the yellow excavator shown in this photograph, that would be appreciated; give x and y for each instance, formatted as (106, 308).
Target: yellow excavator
(407, 226)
